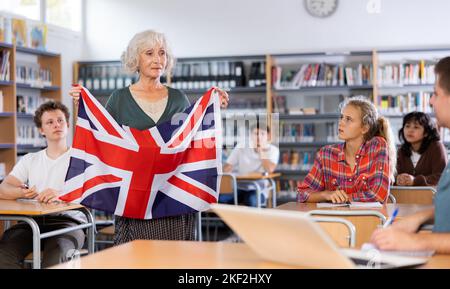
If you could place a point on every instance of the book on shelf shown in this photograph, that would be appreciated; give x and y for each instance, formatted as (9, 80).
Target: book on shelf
(191, 75)
(332, 131)
(33, 75)
(309, 110)
(279, 104)
(321, 75)
(296, 132)
(409, 73)
(404, 103)
(19, 32)
(296, 160)
(445, 135)
(5, 29)
(1, 101)
(257, 77)
(2, 29)
(105, 77)
(302, 110)
(2, 171)
(28, 134)
(38, 36)
(29, 103)
(5, 66)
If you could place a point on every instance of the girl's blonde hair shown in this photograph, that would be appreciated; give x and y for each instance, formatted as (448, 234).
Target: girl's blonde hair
(141, 41)
(378, 126)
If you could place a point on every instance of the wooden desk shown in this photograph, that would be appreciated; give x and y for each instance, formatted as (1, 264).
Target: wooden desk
(253, 178)
(364, 224)
(189, 255)
(33, 208)
(25, 210)
(257, 176)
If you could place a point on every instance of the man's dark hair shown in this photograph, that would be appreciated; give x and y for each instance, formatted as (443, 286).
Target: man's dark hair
(50, 106)
(442, 69)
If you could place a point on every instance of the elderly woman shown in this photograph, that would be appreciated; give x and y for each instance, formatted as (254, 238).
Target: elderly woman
(143, 105)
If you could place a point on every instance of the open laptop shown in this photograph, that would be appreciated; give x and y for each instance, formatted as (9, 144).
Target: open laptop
(293, 238)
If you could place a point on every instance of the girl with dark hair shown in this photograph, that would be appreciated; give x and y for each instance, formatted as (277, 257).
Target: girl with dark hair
(422, 157)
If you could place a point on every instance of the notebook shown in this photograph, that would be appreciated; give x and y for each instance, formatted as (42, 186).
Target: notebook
(426, 253)
(351, 205)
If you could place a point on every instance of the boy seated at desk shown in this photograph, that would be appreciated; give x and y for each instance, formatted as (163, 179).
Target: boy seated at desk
(44, 172)
(258, 156)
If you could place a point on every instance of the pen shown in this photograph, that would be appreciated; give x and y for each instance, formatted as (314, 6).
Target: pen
(391, 219)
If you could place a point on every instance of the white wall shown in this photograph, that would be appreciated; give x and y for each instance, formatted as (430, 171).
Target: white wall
(237, 27)
(70, 45)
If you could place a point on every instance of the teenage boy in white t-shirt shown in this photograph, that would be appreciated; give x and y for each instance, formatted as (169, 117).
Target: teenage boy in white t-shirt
(41, 176)
(260, 156)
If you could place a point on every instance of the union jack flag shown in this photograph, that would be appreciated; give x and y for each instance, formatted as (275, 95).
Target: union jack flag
(171, 169)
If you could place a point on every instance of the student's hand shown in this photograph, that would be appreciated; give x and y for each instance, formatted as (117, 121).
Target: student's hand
(263, 152)
(48, 196)
(223, 97)
(391, 239)
(409, 224)
(400, 179)
(405, 180)
(408, 180)
(28, 193)
(336, 197)
(75, 92)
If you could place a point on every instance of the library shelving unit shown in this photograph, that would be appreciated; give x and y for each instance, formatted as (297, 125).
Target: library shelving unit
(306, 89)
(101, 78)
(244, 77)
(34, 76)
(7, 112)
(406, 83)
(298, 93)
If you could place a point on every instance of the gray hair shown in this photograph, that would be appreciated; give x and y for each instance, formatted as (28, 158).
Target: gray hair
(141, 41)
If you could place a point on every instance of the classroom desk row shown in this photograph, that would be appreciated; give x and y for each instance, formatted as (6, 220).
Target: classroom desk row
(365, 220)
(152, 254)
(221, 255)
(180, 254)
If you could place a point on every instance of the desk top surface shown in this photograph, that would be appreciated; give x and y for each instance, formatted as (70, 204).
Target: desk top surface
(189, 254)
(257, 176)
(386, 210)
(33, 208)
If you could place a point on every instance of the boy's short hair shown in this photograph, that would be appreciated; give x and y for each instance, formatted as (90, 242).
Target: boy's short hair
(50, 106)
(259, 126)
(442, 68)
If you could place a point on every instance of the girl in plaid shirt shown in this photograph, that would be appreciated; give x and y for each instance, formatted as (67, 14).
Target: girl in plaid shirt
(360, 169)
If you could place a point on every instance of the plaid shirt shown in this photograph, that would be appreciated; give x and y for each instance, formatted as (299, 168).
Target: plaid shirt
(369, 181)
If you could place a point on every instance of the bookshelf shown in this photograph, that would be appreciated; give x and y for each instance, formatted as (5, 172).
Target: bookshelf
(300, 94)
(101, 78)
(244, 77)
(306, 89)
(33, 77)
